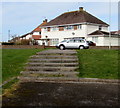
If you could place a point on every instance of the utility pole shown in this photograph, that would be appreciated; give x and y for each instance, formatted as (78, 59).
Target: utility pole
(8, 35)
(109, 24)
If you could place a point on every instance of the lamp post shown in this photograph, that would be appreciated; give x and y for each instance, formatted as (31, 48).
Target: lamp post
(109, 24)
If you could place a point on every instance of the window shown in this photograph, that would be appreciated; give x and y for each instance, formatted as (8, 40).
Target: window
(100, 27)
(54, 28)
(80, 41)
(79, 26)
(95, 39)
(54, 41)
(68, 27)
(45, 29)
(71, 41)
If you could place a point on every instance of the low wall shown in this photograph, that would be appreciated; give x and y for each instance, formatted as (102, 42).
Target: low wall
(43, 47)
(104, 47)
(22, 46)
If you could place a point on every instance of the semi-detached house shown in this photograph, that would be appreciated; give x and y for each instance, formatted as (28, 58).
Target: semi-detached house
(72, 24)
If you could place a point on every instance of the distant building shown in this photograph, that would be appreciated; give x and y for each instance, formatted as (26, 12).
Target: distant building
(35, 34)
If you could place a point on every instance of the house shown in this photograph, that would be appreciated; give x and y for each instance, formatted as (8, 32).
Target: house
(77, 24)
(34, 35)
(71, 24)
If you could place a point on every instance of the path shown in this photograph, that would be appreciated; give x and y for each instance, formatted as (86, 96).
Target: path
(51, 65)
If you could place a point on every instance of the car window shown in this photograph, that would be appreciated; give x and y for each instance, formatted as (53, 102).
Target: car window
(81, 41)
(71, 41)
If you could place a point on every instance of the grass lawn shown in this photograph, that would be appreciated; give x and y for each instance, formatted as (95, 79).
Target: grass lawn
(98, 64)
(13, 61)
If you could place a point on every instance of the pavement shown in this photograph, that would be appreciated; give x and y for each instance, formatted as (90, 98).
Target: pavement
(38, 94)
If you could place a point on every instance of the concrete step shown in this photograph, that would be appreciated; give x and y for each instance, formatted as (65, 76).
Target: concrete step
(48, 79)
(54, 56)
(34, 68)
(49, 74)
(57, 53)
(46, 72)
(52, 64)
(54, 60)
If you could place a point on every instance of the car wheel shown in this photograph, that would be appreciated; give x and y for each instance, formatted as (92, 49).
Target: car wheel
(62, 47)
(81, 47)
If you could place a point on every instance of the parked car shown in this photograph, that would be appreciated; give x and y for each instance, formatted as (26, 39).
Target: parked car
(73, 44)
(90, 43)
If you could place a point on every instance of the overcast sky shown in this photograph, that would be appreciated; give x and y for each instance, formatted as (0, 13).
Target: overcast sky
(22, 17)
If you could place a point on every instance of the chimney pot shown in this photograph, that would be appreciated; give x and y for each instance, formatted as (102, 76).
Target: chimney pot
(45, 20)
(81, 8)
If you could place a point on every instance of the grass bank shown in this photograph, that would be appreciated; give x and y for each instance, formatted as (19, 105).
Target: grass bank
(13, 61)
(98, 64)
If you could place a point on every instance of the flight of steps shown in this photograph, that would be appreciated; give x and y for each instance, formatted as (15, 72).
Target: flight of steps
(52, 65)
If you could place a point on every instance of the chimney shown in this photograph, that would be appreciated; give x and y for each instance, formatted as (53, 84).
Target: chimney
(80, 8)
(45, 21)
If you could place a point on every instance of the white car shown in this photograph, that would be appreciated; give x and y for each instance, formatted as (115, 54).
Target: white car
(73, 44)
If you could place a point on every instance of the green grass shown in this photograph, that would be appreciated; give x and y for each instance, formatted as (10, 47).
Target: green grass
(98, 64)
(13, 61)
(0, 66)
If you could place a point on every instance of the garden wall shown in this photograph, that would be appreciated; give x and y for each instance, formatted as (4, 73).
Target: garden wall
(22, 46)
(42, 47)
(104, 47)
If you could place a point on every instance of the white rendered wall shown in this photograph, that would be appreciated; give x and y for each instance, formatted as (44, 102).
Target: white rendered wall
(36, 33)
(92, 28)
(104, 41)
(83, 32)
(100, 41)
(64, 34)
(27, 37)
(113, 40)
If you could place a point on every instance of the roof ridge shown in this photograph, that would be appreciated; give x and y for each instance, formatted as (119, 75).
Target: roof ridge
(70, 12)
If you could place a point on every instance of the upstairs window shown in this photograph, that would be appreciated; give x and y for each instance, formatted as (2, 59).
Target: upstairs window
(79, 26)
(68, 27)
(54, 28)
(45, 29)
(100, 27)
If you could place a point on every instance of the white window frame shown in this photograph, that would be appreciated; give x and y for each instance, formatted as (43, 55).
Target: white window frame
(68, 27)
(79, 26)
(54, 28)
(54, 41)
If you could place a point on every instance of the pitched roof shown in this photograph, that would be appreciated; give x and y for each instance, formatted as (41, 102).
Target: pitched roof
(98, 32)
(75, 17)
(116, 32)
(38, 29)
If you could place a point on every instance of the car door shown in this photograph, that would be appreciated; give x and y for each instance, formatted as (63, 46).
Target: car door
(70, 44)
